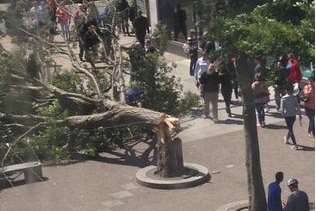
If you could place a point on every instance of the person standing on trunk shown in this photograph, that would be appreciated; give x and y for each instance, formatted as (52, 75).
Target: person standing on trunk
(289, 109)
(209, 85)
(141, 27)
(274, 193)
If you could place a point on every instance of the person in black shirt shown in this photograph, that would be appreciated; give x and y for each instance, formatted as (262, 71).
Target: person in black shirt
(91, 41)
(179, 22)
(209, 85)
(193, 50)
(281, 80)
(122, 9)
(141, 26)
(226, 85)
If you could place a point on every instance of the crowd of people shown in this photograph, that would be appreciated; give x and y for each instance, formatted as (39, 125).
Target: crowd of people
(84, 23)
(214, 75)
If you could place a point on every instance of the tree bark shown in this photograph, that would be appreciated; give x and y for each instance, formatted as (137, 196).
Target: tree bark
(257, 199)
(170, 159)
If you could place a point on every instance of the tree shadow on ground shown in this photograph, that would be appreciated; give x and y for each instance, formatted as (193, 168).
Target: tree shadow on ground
(129, 155)
(5, 184)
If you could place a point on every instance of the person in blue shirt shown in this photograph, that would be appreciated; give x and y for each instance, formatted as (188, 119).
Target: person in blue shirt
(274, 193)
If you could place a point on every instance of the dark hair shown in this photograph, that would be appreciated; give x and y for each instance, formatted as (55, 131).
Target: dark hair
(289, 87)
(279, 176)
(259, 77)
(283, 60)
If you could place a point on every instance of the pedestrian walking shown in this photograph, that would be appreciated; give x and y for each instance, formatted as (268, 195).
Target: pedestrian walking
(180, 18)
(261, 94)
(289, 109)
(281, 80)
(297, 200)
(274, 193)
(233, 72)
(91, 41)
(226, 85)
(309, 104)
(122, 9)
(141, 27)
(209, 86)
(295, 75)
(193, 46)
(201, 66)
(64, 21)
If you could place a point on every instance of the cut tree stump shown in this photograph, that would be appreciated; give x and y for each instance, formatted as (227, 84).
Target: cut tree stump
(170, 159)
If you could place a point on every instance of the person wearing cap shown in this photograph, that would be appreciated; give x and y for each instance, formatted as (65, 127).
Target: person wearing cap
(309, 104)
(209, 86)
(274, 193)
(297, 200)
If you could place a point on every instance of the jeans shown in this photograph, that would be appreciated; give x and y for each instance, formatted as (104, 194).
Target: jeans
(211, 97)
(65, 30)
(260, 112)
(227, 95)
(192, 65)
(289, 123)
(310, 113)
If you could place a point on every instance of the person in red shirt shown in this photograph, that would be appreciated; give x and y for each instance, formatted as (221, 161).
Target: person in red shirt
(64, 20)
(295, 75)
(309, 103)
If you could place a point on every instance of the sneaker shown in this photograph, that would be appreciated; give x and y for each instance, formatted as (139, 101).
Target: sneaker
(286, 141)
(263, 124)
(258, 125)
(206, 116)
(294, 147)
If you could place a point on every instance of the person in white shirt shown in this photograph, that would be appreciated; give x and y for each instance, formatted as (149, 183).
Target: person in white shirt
(201, 66)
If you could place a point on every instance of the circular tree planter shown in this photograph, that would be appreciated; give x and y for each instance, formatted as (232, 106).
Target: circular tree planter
(235, 206)
(193, 175)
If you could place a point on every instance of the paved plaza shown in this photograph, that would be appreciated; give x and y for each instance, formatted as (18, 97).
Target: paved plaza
(108, 183)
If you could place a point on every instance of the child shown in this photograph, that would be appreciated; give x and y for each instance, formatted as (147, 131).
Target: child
(289, 109)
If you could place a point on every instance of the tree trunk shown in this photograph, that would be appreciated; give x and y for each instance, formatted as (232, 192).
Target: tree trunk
(170, 159)
(257, 200)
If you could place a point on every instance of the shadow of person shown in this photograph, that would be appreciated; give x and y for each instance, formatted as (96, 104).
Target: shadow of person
(277, 127)
(230, 122)
(305, 148)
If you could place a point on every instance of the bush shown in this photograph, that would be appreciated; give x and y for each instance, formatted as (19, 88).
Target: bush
(162, 90)
(189, 101)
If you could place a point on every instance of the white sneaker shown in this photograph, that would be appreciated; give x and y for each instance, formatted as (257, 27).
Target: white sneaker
(286, 141)
(294, 147)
